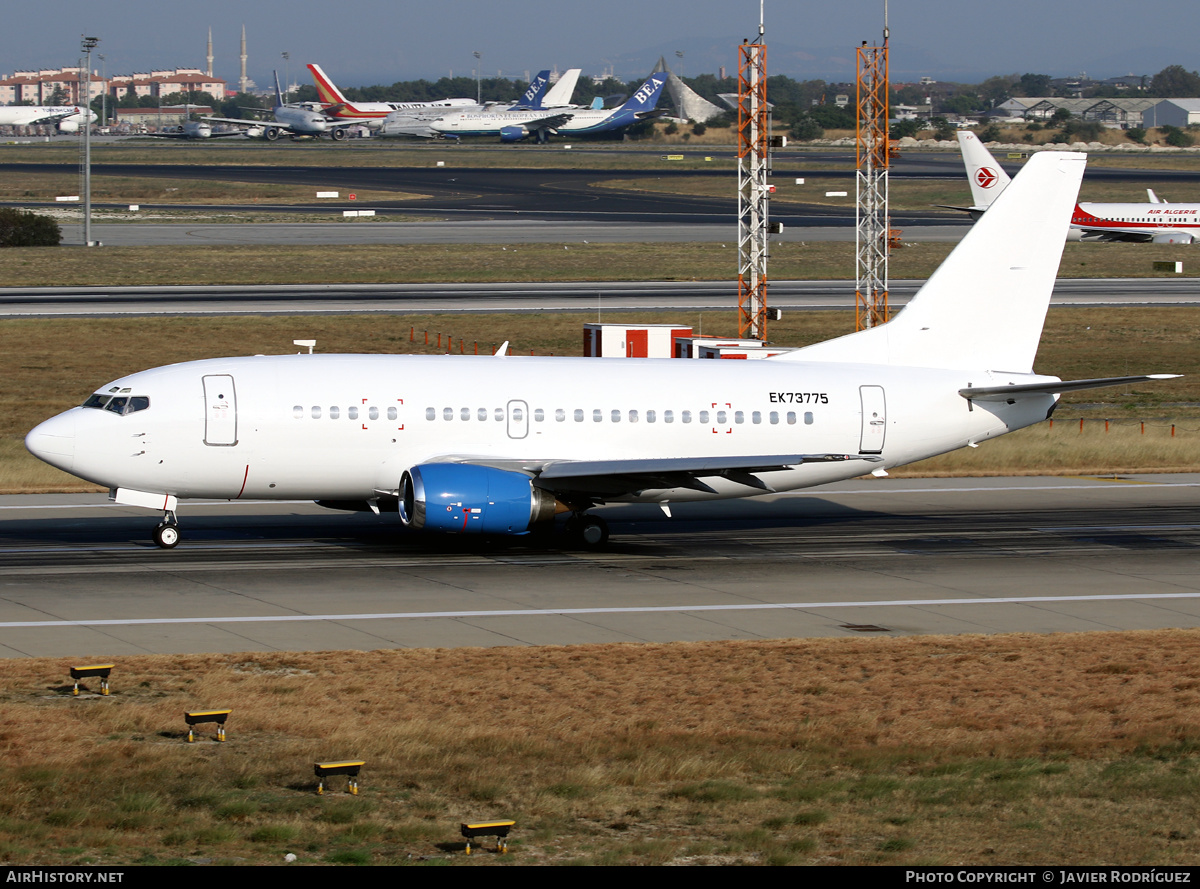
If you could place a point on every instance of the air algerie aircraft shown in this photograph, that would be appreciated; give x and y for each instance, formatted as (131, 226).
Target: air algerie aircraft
(500, 444)
(1156, 222)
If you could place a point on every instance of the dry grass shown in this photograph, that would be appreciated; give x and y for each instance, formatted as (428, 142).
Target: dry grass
(52, 364)
(935, 750)
(567, 260)
(1061, 447)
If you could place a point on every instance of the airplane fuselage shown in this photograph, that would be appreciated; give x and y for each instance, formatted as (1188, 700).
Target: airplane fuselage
(346, 427)
(1161, 222)
(66, 117)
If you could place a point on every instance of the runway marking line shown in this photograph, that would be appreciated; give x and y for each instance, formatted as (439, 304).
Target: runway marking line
(569, 612)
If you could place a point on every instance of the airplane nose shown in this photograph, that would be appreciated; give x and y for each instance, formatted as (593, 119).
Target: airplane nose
(54, 441)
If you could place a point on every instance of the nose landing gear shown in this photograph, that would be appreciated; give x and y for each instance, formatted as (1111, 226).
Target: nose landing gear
(167, 535)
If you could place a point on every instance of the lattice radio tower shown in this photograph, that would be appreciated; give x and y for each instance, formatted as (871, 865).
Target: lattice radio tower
(872, 223)
(753, 209)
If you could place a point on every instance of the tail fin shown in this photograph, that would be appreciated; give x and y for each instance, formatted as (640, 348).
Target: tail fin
(984, 307)
(278, 92)
(327, 91)
(647, 94)
(1154, 199)
(985, 175)
(560, 94)
(532, 97)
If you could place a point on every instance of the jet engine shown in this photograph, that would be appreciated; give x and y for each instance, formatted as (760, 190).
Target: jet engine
(460, 498)
(512, 134)
(1171, 238)
(68, 126)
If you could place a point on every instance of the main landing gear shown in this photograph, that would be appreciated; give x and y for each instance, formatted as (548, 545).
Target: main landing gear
(588, 531)
(167, 534)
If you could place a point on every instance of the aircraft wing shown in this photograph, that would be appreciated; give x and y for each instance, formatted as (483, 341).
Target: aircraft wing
(50, 118)
(1011, 393)
(248, 124)
(596, 479)
(1117, 234)
(549, 122)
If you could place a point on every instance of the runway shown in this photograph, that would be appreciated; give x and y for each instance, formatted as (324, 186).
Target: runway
(567, 297)
(80, 578)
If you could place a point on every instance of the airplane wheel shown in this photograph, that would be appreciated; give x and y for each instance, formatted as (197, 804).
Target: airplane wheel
(167, 535)
(591, 532)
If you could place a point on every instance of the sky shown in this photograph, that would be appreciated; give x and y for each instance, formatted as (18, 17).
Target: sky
(365, 42)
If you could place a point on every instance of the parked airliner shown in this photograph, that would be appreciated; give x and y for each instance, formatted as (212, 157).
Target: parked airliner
(373, 113)
(66, 117)
(290, 120)
(1156, 222)
(500, 444)
(512, 126)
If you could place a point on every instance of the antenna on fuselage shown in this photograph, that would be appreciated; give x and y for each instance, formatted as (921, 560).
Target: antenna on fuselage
(311, 344)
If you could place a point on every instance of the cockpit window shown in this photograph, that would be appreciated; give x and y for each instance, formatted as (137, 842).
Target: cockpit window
(120, 404)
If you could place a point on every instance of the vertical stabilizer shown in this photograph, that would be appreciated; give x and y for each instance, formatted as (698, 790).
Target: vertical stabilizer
(327, 90)
(647, 95)
(560, 94)
(986, 176)
(278, 91)
(532, 97)
(985, 305)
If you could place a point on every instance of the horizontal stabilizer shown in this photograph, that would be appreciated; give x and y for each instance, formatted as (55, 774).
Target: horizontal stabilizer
(1011, 393)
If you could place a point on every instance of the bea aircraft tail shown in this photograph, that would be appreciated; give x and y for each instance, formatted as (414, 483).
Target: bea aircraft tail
(646, 97)
(531, 99)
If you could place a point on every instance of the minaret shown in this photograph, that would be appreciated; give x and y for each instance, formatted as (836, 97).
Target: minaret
(208, 72)
(244, 81)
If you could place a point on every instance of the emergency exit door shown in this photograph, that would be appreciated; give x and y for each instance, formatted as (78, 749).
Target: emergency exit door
(874, 419)
(220, 411)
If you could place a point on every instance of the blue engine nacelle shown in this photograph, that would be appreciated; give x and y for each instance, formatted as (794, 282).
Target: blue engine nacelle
(512, 134)
(459, 498)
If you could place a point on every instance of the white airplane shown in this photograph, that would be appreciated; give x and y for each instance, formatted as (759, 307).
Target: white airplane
(66, 117)
(373, 113)
(1155, 222)
(533, 105)
(512, 126)
(291, 120)
(500, 444)
(191, 129)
